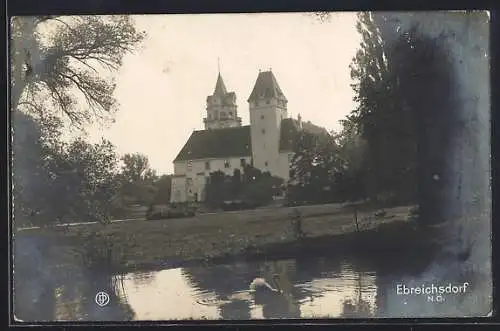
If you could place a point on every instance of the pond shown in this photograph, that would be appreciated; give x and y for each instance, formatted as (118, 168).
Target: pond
(313, 287)
(310, 290)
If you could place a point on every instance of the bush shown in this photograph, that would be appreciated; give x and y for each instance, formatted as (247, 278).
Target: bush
(248, 190)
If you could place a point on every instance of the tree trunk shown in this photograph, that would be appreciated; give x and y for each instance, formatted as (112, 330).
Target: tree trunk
(24, 51)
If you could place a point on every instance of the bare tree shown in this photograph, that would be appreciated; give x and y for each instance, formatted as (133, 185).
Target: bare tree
(58, 64)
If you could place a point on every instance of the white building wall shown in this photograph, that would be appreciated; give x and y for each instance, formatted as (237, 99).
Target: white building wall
(180, 168)
(265, 125)
(195, 172)
(178, 191)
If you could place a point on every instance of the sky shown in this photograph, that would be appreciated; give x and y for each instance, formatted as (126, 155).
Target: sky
(162, 88)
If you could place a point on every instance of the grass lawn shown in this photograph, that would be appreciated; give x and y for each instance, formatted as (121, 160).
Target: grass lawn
(208, 236)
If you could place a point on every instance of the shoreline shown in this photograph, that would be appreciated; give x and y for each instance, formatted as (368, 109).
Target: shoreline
(229, 238)
(364, 244)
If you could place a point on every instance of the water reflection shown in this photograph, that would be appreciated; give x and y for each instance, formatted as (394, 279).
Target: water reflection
(46, 290)
(311, 288)
(221, 292)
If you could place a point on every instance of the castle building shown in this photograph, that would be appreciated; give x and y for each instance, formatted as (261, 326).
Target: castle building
(226, 145)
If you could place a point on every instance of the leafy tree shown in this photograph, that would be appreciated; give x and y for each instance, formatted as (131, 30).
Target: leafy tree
(250, 174)
(58, 64)
(428, 88)
(138, 180)
(253, 187)
(55, 181)
(383, 116)
(314, 163)
(407, 111)
(59, 67)
(84, 180)
(31, 150)
(163, 187)
(218, 188)
(260, 188)
(349, 180)
(236, 182)
(136, 168)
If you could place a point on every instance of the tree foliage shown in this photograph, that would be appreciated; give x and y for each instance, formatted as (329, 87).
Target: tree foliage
(58, 64)
(252, 186)
(314, 163)
(383, 114)
(56, 181)
(59, 181)
(407, 95)
(163, 187)
(328, 167)
(85, 180)
(138, 180)
(30, 178)
(136, 168)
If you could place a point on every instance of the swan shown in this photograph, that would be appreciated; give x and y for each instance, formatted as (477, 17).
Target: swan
(260, 285)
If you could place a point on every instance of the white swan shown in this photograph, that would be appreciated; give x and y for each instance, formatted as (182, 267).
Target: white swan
(260, 285)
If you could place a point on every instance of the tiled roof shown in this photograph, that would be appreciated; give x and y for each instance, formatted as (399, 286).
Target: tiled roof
(217, 143)
(236, 141)
(266, 86)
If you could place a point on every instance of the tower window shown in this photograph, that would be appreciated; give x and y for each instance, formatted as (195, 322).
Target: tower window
(263, 131)
(227, 164)
(207, 165)
(261, 117)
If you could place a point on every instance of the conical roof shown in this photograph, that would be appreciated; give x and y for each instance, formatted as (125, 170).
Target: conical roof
(220, 88)
(266, 86)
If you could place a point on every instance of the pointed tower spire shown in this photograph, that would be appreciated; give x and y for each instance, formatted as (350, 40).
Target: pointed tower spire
(220, 88)
(222, 111)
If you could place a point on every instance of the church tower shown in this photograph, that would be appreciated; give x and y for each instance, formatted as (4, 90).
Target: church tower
(268, 107)
(221, 108)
